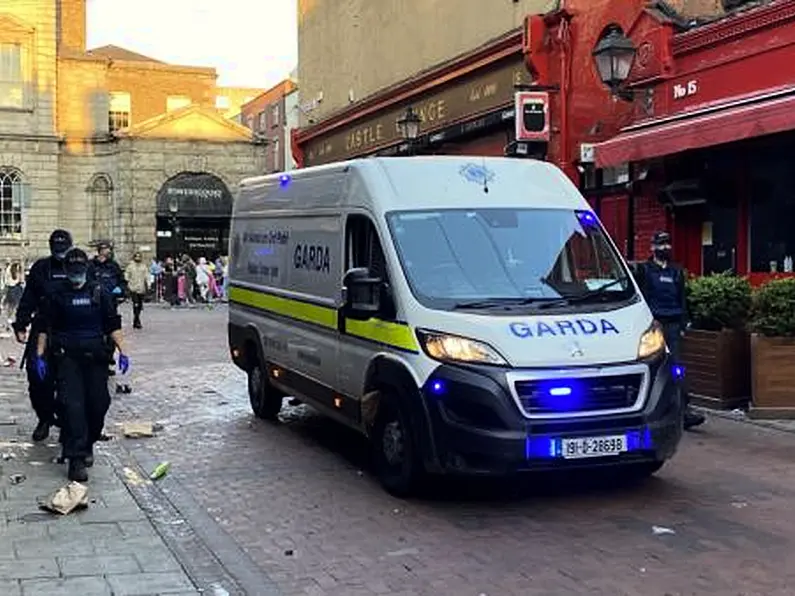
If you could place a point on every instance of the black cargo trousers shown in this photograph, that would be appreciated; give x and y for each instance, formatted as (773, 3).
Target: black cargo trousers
(41, 391)
(672, 331)
(82, 385)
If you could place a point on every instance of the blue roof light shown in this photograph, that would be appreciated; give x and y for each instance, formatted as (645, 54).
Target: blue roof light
(587, 219)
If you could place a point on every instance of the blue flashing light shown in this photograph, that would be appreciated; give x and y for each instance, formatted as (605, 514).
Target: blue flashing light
(437, 387)
(587, 219)
(560, 391)
(678, 372)
(284, 180)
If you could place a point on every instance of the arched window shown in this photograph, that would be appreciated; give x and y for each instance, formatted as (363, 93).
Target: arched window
(101, 207)
(11, 189)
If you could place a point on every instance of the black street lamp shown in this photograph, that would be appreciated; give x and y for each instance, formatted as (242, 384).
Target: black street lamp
(173, 209)
(614, 56)
(409, 127)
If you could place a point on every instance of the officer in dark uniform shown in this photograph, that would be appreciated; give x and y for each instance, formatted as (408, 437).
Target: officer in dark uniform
(663, 285)
(80, 315)
(108, 273)
(43, 275)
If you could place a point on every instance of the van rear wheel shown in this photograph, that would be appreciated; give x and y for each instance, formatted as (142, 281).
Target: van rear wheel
(397, 465)
(266, 401)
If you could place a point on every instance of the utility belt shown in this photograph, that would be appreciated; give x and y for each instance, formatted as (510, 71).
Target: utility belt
(95, 349)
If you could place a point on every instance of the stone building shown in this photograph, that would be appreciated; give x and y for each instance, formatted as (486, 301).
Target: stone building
(109, 143)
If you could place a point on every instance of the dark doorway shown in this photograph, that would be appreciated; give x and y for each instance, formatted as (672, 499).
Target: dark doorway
(193, 216)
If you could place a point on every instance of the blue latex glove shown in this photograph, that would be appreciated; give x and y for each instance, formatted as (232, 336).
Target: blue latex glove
(41, 367)
(124, 363)
(117, 291)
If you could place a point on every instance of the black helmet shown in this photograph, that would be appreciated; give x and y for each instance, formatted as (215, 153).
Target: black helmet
(60, 242)
(76, 264)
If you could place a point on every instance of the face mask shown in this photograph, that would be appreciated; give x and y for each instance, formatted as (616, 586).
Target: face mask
(78, 281)
(662, 254)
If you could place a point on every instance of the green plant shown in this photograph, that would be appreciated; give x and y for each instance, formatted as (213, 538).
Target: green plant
(774, 309)
(719, 301)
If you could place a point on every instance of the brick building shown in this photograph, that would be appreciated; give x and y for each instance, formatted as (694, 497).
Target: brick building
(266, 115)
(109, 143)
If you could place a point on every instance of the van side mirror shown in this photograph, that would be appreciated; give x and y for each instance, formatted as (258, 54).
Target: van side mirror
(361, 294)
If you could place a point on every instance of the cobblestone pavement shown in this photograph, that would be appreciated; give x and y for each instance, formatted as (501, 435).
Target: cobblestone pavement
(297, 500)
(110, 548)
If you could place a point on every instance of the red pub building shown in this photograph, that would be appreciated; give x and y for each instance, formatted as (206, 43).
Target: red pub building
(712, 143)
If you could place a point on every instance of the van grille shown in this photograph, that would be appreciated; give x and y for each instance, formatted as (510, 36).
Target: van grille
(587, 394)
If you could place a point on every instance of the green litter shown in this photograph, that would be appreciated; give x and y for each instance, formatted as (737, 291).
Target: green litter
(160, 471)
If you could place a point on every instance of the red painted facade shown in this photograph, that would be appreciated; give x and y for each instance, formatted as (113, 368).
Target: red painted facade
(711, 70)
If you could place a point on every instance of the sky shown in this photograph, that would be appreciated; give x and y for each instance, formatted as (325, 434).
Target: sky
(251, 43)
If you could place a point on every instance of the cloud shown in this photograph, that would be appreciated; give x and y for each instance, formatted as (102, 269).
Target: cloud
(252, 43)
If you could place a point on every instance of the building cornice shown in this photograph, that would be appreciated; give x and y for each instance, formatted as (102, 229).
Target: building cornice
(734, 26)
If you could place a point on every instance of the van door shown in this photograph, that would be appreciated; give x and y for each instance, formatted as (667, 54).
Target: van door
(363, 248)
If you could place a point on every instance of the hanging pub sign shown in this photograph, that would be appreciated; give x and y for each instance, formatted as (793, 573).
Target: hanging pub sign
(532, 116)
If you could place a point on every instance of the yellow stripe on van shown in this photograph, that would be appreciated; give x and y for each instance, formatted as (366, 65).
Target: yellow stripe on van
(391, 334)
(397, 335)
(294, 309)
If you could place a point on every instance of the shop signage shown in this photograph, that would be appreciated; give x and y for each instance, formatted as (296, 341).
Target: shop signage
(194, 195)
(688, 89)
(489, 89)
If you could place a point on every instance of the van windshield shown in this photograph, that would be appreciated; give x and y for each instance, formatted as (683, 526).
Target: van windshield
(483, 258)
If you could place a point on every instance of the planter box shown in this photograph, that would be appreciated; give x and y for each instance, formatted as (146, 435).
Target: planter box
(773, 377)
(718, 365)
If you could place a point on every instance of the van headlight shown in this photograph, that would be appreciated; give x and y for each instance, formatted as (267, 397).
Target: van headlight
(453, 348)
(652, 341)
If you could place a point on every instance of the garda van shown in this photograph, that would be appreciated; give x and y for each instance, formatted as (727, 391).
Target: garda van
(468, 315)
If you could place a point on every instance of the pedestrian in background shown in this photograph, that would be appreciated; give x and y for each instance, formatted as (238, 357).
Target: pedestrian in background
(137, 276)
(662, 283)
(78, 316)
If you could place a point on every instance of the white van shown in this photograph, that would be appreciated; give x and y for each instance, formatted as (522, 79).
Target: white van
(468, 315)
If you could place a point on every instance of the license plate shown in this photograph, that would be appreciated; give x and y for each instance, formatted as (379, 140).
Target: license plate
(583, 447)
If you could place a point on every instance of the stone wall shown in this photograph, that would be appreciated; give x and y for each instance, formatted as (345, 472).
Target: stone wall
(32, 23)
(72, 19)
(37, 161)
(83, 97)
(144, 165)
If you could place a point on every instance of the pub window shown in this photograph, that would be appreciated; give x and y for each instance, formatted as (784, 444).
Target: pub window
(277, 150)
(250, 122)
(263, 120)
(275, 115)
(772, 214)
(119, 110)
(615, 175)
(176, 102)
(11, 190)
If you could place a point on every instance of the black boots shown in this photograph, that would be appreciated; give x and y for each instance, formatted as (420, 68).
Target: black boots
(77, 470)
(41, 432)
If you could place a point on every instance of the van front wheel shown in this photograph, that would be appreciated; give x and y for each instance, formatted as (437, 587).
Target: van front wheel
(399, 469)
(266, 402)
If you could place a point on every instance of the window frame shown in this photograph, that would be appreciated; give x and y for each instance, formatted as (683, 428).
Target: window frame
(119, 119)
(24, 73)
(12, 178)
(276, 115)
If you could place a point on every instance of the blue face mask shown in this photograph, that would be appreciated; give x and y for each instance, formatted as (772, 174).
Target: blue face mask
(78, 280)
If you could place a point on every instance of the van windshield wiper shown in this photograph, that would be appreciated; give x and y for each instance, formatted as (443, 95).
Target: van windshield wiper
(498, 302)
(585, 296)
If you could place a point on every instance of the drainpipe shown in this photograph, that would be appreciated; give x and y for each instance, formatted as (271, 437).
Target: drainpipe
(564, 38)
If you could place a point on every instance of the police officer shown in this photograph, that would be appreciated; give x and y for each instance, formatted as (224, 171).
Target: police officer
(43, 275)
(106, 271)
(663, 285)
(80, 315)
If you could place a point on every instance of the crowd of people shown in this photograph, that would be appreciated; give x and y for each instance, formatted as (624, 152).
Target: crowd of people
(188, 281)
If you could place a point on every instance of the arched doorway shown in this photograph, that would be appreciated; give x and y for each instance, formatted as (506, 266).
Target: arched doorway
(193, 215)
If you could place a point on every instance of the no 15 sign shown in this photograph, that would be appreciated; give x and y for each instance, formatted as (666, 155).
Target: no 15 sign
(682, 90)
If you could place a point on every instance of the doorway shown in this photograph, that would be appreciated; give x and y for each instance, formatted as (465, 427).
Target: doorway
(719, 240)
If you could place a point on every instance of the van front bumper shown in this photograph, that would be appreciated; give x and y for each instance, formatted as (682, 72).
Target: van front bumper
(478, 428)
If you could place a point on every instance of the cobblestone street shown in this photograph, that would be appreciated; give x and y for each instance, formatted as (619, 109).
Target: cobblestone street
(292, 510)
